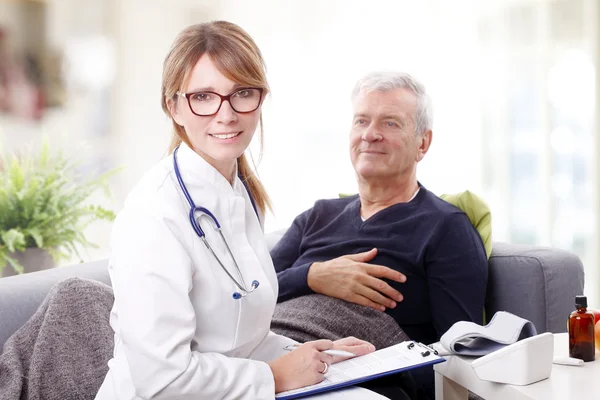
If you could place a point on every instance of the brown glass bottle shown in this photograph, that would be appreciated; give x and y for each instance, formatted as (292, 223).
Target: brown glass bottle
(581, 331)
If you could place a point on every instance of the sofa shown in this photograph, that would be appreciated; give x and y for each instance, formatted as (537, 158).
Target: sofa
(538, 284)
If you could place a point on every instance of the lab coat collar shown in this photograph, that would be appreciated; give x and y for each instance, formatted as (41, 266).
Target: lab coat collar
(196, 167)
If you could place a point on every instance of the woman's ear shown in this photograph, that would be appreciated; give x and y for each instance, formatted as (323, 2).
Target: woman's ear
(174, 111)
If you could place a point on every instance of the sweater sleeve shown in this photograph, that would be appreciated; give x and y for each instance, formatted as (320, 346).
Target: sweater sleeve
(292, 278)
(457, 271)
(151, 274)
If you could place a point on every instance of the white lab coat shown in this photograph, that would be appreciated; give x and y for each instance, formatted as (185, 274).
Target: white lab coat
(178, 331)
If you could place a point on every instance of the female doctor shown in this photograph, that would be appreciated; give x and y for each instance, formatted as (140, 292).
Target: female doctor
(193, 281)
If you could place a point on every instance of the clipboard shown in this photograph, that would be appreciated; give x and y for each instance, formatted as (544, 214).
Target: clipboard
(390, 360)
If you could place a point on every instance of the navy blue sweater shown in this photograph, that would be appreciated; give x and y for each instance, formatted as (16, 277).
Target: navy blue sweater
(429, 240)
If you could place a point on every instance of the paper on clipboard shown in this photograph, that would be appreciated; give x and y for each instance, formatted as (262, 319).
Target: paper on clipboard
(400, 357)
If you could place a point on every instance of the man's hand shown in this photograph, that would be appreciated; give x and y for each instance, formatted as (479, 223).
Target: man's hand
(350, 278)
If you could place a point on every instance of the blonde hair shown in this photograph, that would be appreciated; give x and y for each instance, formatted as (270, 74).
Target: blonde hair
(238, 58)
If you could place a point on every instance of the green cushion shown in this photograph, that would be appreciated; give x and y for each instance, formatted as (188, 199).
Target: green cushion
(478, 212)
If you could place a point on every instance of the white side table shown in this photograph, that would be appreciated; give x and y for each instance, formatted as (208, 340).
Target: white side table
(455, 377)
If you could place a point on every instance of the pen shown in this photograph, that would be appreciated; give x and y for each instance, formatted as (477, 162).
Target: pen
(340, 353)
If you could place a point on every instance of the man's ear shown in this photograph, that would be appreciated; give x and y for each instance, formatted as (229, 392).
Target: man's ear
(424, 141)
(174, 111)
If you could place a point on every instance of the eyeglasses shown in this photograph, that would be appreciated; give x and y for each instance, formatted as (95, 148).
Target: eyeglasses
(204, 104)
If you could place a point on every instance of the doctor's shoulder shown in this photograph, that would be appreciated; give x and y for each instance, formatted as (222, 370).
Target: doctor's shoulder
(155, 197)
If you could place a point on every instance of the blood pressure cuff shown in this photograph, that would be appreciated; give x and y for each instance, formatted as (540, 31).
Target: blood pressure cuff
(471, 339)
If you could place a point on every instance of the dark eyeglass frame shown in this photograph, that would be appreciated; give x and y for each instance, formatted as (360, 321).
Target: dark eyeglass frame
(223, 98)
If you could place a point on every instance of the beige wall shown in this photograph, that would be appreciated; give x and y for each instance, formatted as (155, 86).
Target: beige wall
(25, 23)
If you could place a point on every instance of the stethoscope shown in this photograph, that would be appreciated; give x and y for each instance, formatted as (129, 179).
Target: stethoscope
(203, 212)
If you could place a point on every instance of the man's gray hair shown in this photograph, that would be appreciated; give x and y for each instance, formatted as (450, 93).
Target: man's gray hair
(386, 81)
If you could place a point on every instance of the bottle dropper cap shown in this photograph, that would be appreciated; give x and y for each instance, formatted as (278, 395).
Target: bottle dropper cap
(581, 301)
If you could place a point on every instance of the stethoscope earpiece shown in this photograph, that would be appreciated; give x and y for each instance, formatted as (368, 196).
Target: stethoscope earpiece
(238, 295)
(217, 227)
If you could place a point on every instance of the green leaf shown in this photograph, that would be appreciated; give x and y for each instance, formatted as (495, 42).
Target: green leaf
(16, 266)
(3, 256)
(37, 237)
(16, 174)
(14, 240)
(45, 153)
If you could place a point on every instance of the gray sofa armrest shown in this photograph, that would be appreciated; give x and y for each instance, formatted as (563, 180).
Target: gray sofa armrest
(535, 283)
(21, 295)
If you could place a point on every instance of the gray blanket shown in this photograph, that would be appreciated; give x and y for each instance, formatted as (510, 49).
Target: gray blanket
(316, 316)
(62, 351)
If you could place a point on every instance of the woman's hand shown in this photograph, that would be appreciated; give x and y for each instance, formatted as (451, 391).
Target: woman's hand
(302, 367)
(353, 345)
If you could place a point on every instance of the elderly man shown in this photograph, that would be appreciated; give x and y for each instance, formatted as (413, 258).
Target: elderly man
(394, 259)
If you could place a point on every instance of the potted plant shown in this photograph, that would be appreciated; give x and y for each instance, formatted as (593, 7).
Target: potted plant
(44, 209)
